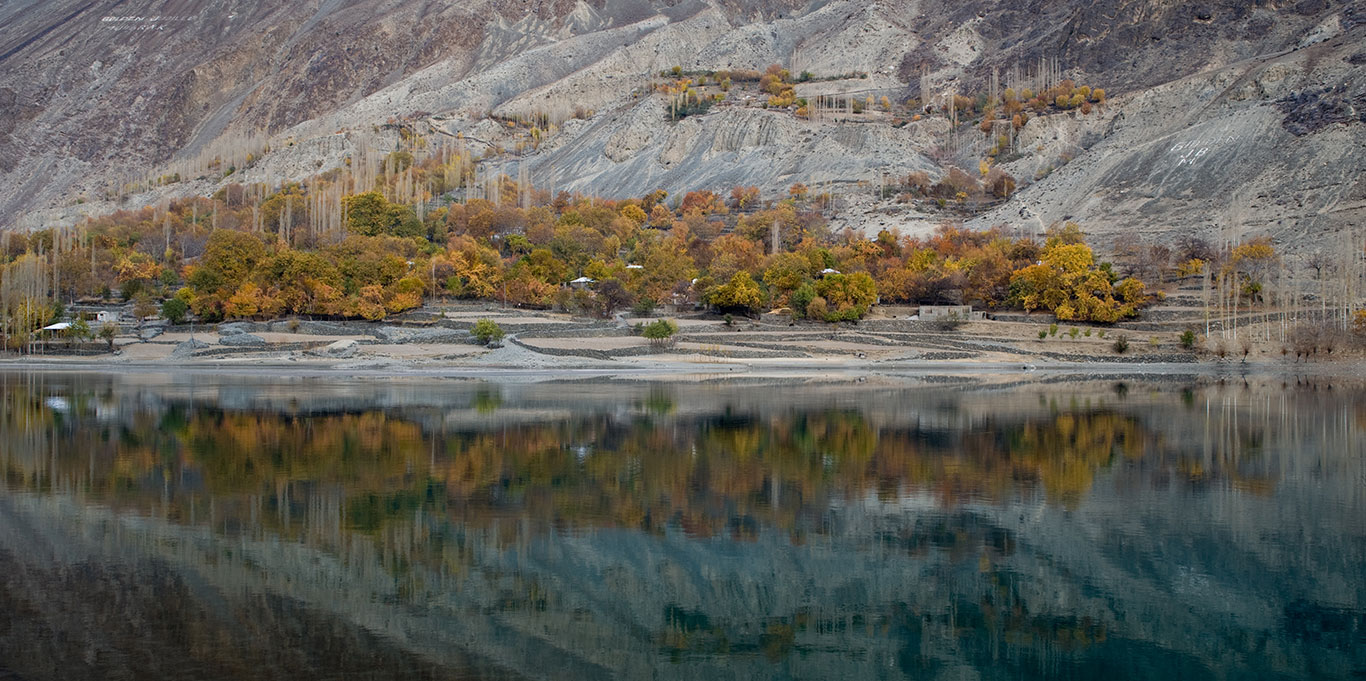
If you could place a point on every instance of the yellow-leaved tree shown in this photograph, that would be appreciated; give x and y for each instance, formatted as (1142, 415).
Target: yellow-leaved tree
(1068, 283)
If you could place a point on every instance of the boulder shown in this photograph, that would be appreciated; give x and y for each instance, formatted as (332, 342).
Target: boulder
(341, 349)
(187, 348)
(232, 329)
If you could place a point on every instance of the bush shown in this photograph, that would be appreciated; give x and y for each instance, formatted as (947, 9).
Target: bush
(949, 322)
(643, 307)
(818, 308)
(1187, 339)
(487, 331)
(660, 332)
(1073, 332)
(1052, 329)
(174, 310)
(108, 332)
(801, 298)
(1043, 333)
(1121, 345)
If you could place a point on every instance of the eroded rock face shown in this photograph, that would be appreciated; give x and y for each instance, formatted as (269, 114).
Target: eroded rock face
(1265, 147)
(1311, 111)
(90, 97)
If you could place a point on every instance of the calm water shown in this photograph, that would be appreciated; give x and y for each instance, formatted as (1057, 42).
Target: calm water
(215, 528)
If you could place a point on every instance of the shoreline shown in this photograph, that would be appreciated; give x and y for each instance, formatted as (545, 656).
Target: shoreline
(682, 371)
(548, 346)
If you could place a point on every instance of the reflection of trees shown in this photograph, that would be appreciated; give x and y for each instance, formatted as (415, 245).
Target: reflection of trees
(728, 473)
(498, 503)
(240, 452)
(718, 472)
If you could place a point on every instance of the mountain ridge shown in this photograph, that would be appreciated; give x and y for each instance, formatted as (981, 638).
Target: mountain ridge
(197, 84)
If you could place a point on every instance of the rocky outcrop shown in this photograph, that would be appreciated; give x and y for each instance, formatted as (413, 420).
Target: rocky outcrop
(342, 349)
(93, 98)
(187, 348)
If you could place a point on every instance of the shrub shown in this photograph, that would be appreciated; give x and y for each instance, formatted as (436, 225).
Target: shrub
(660, 332)
(487, 331)
(643, 307)
(818, 308)
(1073, 332)
(1087, 333)
(801, 298)
(1000, 183)
(1043, 333)
(1053, 329)
(174, 310)
(108, 332)
(950, 322)
(1187, 339)
(1121, 345)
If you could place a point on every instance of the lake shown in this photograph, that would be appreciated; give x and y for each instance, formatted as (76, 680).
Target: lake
(158, 526)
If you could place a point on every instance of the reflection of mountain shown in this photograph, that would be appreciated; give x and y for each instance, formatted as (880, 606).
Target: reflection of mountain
(821, 536)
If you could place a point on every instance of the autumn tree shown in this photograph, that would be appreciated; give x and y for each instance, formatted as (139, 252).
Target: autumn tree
(740, 294)
(612, 296)
(848, 296)
(1069, 284)
(229, 258)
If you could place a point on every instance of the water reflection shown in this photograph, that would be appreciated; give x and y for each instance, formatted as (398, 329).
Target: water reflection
(450, 529)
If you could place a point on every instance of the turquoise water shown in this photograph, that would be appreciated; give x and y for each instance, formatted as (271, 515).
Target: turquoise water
(202, 527)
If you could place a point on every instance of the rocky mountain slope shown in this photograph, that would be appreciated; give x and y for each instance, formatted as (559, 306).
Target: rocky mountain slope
(1223, 116)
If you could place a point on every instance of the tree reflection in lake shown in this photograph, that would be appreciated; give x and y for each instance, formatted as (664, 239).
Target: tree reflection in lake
(680, 531)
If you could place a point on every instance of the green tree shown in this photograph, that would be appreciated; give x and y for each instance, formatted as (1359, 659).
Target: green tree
(174, 310)
(847, 296)
(230, 256)
(786, 273)
(487, 331)
(660, 332)
(80, 329)
(371, 214)
(108, 332)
